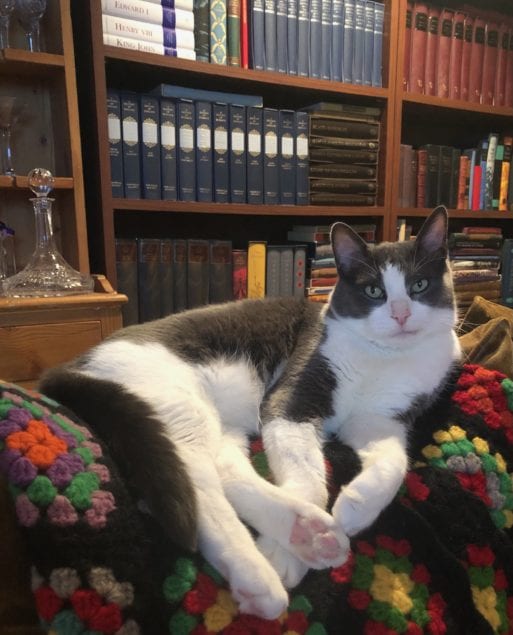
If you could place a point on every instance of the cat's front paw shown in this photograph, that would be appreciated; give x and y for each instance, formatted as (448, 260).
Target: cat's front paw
(290, 568)
(353, 513)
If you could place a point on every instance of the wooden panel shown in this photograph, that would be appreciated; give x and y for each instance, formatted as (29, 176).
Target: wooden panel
(28, 350)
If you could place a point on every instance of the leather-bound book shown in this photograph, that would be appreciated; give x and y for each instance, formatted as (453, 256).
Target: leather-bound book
(407, 46)
(476, 60)
(458, 34)
(444, 53)
(468, 34)
(490, 55)
(433, 33)
(418, 47)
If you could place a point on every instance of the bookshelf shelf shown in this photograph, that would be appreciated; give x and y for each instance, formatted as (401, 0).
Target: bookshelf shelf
(456, 213)
(22, 63)
(439, 103)
(21, 182)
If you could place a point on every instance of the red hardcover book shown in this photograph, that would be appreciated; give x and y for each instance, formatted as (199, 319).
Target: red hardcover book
(433, 31)
(502, 58)
(508, 90)
(476, 61)
(468, 35)
(244, 34)
(240, 273)
(444, 53)
(407, 45)
(463, 180)
(418, 47)
(458, 34)
(491, 50)
(476, 188)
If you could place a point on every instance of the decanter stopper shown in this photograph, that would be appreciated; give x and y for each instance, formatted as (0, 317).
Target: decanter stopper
(40, 181)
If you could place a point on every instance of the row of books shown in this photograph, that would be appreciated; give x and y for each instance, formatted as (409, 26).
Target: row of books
(165, 147)
(163, 27)
(338, 40)
(466, 54)
(472, 179)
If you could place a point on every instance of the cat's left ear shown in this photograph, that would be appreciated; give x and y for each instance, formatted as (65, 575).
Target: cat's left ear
(432, 236)
(349, 248)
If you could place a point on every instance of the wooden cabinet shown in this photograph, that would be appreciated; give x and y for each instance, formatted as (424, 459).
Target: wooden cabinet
(405, 118)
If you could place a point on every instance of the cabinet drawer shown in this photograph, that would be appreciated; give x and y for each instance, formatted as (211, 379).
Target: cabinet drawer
(25, 351)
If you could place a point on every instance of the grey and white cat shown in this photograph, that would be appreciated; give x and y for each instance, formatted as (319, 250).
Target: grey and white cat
(176, 400)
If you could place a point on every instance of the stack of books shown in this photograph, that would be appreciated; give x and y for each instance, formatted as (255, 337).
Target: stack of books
(475, 256)
(163, 27)
(344, 148)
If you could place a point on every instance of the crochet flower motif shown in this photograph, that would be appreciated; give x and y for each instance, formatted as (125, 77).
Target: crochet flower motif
(390, 589)
(205, 606)
(51, 464)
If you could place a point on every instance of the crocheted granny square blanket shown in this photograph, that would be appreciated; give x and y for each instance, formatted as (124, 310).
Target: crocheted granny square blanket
(438, 560)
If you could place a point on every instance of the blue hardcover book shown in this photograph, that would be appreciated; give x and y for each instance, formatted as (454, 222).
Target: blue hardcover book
(358, 41)
(368, 43)
(348, 52)
(271, 55)
(292, 6)
(150, 146)
(379, 19)
(204, 153)
(196, 94)
(301, 157)
(237, 128)
(286, 135)
(221, 156)
(257, 37)
(255, 161)
(281, 36)
(271, 161)
(303, 37)
(186, 158)
(483, 157)
(131, 145)
(115, 142)
(337, 41)
(168, 166)
(326, 37)
(148, 278)
(315, 39)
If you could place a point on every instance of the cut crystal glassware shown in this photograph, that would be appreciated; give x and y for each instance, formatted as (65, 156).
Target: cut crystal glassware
(29, 14)
(6, 9)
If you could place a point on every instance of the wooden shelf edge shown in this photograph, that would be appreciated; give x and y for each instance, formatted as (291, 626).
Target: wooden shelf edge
(21, 182)
(23, 56)
(457, 104)
(455, 213)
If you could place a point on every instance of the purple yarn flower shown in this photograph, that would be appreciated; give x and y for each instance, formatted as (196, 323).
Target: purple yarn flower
(27, 512)
(102, 504)
(61, 512)
(64, 468)
(20, 416)
(22, 471)
(6, 459)
(67, 437)
(7, 427)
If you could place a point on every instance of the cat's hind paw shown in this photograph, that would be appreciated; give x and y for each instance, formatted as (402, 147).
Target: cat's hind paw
(288, 566)
(355, 512)
(318, 544)
(259, 591)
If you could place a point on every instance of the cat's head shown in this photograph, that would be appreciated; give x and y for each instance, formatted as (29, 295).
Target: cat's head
(394, 293)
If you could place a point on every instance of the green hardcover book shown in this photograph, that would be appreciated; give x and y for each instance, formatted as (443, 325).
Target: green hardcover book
(233, 35)
(218, 36)
(201, 30)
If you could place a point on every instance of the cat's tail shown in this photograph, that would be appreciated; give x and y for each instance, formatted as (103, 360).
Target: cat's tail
(145, 456)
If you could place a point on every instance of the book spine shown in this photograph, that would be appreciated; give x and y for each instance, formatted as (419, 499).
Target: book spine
(179, 274)
(468, 36)
(272, 271)
(508, 89)
(421, 177)
(150, 147)
(303, 36)
(432, 172)
(490, 54)
(476, 61)
(335, 198)
(240, 274)
(202, 30)
(233, 32)
(418, 47)
(195, 94)
(347, 55)
(131, 146)
(204, 153)
(354, 186)
(358, 41)
(505, 174)
(166, 278)
(186, 157)
(174, 4)
(454, 176)
(238, 153)
(444, 53)
(463, 174)
(325, 170)
(270, 35)
(490, 169)
(292, 52)
(115, 142)
(256, 269)
(148, 278)
(271, 171)
(218, 27)
(315, 39)
(286, 271)
(337, 155)
(281, 36)
(244, 34)
(377, 49)
(326, 38)
(255, 162)
(507, 273)
(287, 180)
(301, 157)
(298, 289)
(257, 35)
(220, 271)
(126, 273)
(149, 12)
(497, 171)
(432, 40)
(176, 37)
(337, 41)
(344, 129)
(197, 272)
(500, 78)
(407, 45)
(147, 47)
(483, 158)
(221, 156)
(368, 43)
(168, 165)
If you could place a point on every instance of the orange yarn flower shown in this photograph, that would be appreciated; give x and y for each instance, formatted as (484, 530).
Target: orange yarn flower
(37, 443)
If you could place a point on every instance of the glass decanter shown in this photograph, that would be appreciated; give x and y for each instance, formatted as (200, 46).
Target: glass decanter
(47, 273)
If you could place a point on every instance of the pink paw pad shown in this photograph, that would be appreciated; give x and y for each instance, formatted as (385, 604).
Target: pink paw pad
(315, 543)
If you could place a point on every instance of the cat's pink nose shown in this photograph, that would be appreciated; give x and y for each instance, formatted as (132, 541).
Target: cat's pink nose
(400, 311)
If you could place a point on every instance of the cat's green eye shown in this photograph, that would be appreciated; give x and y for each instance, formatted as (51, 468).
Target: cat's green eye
(419, 286)
(375, 293)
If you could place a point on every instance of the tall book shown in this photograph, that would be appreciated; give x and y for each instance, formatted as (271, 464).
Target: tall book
(298, 285)
(432, 174)
(368, 43)
(508, 88)
(126, 273)
(150, 12)
(337, 40)
(458, 34)
(218, 31)
(186, 155)
(491, 50)
(315, 39)
(240, 274)
(179, 274)
(326, 37)
(468, 36)
(244, 33)
(166, 277)
(233, 32)
(507, 272)
(418, 47)
(255, 156)
(220, 271)
(197, 272)
(148, 278)
(502, 55)
(301, 157)
(115, 142)
(497, 172)
(177, 37)
(272, 271)
(292, 52)
(348, 50)
(505, 173)
(150, 146)
(407, 45)
(493, 139)
(281, 36)
(271, 158)
(303, 37)
(287, 165)
(131, 145)
(359, 41)
(444, 53)
(238, 153)
(270, 42)
(256, 268)
(221, 156)
(476, 60)
(201, 13)
(257, 35)
(204, 152)
(432, 42)
(168, 165)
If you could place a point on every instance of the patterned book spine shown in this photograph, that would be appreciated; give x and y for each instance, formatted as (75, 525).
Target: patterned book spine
(131, 146)
(168, 164)
(256, 268)
(218, 39)
(240, 274)
(202, 30)
(186, 158)
(115, 143)
(150, 147)
(233, 35)
(204, 153)
(301, 147)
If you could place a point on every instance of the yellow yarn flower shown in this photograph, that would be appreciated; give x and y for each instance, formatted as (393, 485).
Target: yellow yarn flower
(226, 601)
(432, 452)
(486, 601)
(216, 618)
(391, 587)
(501, 463)
(481, 445)
(509, 518)
(457, 433)
(442, 436)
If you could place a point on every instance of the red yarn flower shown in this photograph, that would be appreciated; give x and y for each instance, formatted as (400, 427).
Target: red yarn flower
(416, 487)
(48, 603)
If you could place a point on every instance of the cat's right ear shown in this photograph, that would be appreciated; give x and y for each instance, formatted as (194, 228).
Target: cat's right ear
(349, 248)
